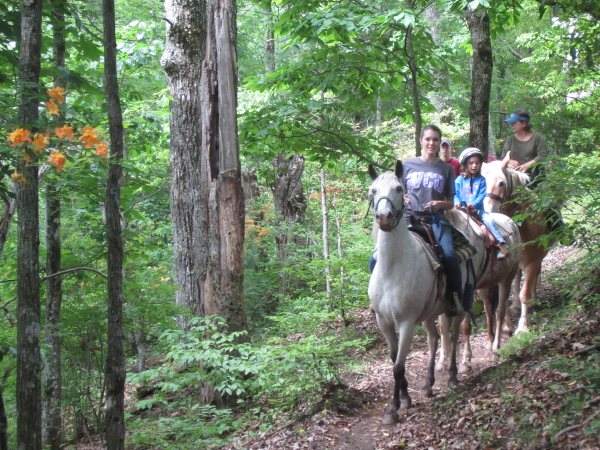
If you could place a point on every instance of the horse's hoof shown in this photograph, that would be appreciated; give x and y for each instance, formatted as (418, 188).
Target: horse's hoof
(405, 403)
(390, 418)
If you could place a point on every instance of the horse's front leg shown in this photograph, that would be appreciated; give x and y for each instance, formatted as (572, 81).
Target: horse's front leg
(445, 344)
(503, 294)
(465, 328)
(488, 307)
(401, 397)
(453, 369)
(527, 294)
(432, 341)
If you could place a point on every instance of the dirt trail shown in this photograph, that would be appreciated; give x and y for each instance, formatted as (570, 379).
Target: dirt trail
(422, 426)
(361, 428)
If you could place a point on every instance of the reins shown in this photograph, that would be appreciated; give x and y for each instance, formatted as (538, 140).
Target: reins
(396, 212)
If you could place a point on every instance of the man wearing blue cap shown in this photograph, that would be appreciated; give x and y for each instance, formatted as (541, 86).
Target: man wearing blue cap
(526, 147)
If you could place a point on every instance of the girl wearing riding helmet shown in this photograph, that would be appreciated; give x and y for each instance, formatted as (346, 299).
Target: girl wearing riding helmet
(470, 191)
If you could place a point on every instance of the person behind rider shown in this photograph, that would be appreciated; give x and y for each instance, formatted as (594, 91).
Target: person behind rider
(470, 191)
(525, 148)
(429, 184)
(446, 156)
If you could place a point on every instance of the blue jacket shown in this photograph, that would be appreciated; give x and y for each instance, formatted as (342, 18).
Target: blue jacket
(470, 191)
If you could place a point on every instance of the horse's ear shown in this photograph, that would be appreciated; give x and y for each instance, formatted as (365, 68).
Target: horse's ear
(399, 169)
(372, 172)
(506, 160)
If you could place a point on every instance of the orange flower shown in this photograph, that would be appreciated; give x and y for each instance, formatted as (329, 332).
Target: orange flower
(19, 136)
(40, 141)
(17, 177)
(89, 137)
(102, 149)
(57, 159)
(64, 132)
(57, 94)
(52, 108)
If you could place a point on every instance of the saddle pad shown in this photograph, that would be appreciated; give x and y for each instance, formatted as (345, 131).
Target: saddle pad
(433, 260)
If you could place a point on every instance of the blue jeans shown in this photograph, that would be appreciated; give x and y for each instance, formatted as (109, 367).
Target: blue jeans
(442, 232)
(489, 222)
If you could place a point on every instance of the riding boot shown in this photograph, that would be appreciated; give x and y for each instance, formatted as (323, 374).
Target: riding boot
(454, 284)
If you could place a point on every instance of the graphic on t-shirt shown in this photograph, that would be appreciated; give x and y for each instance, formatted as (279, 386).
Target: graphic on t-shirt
(430, 180)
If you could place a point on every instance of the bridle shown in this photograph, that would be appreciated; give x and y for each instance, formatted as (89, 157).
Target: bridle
(397, 213)
(507, 190)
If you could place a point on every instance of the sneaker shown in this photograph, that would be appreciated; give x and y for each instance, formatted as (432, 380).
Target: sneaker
(502, 251)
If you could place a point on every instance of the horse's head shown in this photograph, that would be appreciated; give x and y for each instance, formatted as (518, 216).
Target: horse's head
(496, 184)
(500, 183)
(386, 194)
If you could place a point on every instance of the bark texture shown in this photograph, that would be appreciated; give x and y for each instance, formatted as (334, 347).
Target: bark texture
(29, 417)
(225, 281)
(182, 62)
(52, 414)
(9, 211)
(207, 203)
(114, 371)
(414, 87)
(325, 235)
(269, 37)
(289, 199)
(478, 22)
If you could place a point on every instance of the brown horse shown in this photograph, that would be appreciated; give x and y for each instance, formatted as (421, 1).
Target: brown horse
(501, 185)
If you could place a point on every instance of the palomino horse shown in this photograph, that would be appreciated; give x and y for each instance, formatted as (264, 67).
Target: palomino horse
(501, 184)
(492, 273)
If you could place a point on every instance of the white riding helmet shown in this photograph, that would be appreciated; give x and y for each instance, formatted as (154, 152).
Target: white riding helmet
(467, 153)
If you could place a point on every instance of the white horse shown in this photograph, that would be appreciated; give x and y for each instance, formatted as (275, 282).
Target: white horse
(405, 288)
(501, 183)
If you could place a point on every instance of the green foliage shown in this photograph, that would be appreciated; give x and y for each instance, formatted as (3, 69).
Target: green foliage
(277, 375)
(571, 184)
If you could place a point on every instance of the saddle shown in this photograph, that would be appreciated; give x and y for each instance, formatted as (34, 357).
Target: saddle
(489, 240)
(421, 226)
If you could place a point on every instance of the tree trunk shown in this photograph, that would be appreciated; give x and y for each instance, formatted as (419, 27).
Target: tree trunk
(478, 22)
(182, 62)
(3, 422)
(288, 197)
(269, 38)
(325, 228)
(340, 253)
(29, 420)
(414, 87)
(52, 415)
(226, 200)
(9, 211)
(207, 202)
(114, 371)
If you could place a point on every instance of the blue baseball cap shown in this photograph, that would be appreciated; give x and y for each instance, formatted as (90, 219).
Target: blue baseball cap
(514, 118)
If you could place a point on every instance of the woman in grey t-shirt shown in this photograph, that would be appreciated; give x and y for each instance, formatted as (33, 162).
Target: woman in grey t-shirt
(429, 183)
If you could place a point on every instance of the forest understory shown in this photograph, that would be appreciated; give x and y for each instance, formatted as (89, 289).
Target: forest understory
(542, 393)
